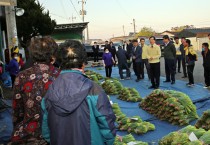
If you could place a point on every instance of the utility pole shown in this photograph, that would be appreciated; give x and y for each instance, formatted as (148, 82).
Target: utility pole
(72, 18)
(11, 26)
(124, 30)
(134, 26)
(83, 13)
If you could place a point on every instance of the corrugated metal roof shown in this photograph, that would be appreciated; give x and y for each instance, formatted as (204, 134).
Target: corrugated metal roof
(199, 30)
(193, 32)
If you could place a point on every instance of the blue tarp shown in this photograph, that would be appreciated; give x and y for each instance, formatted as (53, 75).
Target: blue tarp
(162, 127)
(6, 126)
(131, 109)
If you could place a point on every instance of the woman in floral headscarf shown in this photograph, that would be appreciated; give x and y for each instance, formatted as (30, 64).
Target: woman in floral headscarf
(29, 88)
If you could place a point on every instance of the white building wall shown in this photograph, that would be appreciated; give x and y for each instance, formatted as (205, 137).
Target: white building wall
(201, 41)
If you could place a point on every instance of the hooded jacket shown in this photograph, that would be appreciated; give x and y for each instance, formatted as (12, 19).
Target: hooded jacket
(122, 57)
(79, 112)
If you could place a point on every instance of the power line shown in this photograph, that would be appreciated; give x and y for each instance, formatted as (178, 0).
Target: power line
(63, 8)
(59, 16)
(122, 8)
(75, 8)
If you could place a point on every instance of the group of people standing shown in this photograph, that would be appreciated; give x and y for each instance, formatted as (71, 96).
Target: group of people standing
(175, 55)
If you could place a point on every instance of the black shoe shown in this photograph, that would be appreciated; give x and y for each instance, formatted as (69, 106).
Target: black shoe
(173, 82)
(156, 87)
(166, 81)
(137, 80)
(179, 72)
(184, 77)
(151, 87)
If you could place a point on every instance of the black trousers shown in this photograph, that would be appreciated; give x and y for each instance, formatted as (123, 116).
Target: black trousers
(146, 64)
(95, 55)
(121, 67)
(13, 79)
(190, 69)
(137, 69)
(108, 71)
(207, 75)
(184, 67)
(178, 62)
(155, 74)
(170, 69)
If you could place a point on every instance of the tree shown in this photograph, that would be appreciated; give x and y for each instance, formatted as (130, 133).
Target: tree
(35, 21)
(180, 28)
(146, 31)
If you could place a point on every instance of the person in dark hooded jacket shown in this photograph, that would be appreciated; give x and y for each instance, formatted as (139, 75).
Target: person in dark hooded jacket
(79, 111)
(122, 57)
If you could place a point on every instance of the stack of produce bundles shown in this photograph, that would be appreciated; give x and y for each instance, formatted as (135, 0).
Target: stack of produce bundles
(112, 86)
(204, 121)
(181, 137)
(128, 139)
(90, 73)
(173, 106)
(130, 95)
(93, 78)
(96, 64)
(133, 124)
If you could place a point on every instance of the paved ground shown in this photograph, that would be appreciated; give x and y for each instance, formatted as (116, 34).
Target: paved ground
(198, 71)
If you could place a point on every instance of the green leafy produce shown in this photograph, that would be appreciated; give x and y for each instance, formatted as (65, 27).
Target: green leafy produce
(126, 139)
(204, 121)
(197, 142)
(112, 87)
(89, 73)
(189, 129)
(173, 106)
(131, 124)
(130, 95)
(181, 137)
(205, 137)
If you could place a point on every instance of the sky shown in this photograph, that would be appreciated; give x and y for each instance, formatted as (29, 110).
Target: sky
(107, 17)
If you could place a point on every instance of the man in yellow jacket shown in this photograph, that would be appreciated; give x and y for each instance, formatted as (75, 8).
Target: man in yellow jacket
(154, 54)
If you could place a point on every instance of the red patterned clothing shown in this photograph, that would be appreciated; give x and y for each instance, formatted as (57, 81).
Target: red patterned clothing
(29, 88)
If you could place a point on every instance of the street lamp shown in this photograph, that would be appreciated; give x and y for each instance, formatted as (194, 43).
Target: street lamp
(19, 11)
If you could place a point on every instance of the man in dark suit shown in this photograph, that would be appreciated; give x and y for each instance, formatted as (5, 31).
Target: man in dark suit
(129, 48)
(170, 57)
(112, 50)
(137, 59)
(107, 45)
(95, 49)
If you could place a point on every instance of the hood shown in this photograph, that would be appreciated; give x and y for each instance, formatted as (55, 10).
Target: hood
(67, 92)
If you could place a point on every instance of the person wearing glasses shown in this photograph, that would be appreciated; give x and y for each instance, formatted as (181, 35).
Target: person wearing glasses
(154, 55)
